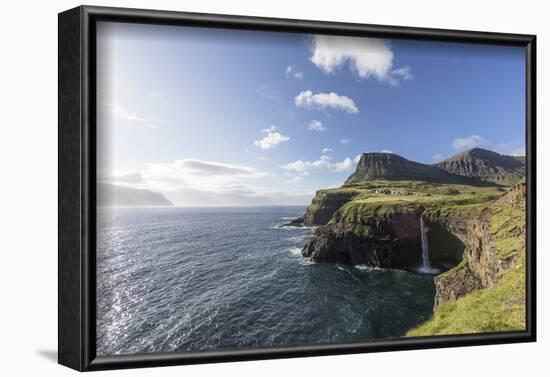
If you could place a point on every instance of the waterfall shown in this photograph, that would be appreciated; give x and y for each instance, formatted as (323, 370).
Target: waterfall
(426, 266)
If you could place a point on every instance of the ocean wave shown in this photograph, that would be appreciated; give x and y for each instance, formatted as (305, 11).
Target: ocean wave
(296, 251)
(307, 262)
(363, 267)
(285, 226)
(300, 238)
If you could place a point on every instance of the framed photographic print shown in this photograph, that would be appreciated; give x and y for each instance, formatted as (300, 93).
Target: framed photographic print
(238, 188)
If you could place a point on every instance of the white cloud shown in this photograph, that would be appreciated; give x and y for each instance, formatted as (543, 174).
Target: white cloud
(291, 71)
(187, 174)
(367, 57)
(404, 72)
(121, 177)
(468, 142)
(386, 151)
(333, 101)
(271, 140)
(438, 157)
(194, 182)
(299, 177)
(323, 163)
(316, 125)
(357, 158)
(345, 141)
(326, 150)
(195, 166)
(125, 114)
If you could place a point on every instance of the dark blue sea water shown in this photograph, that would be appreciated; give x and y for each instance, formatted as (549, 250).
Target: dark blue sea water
(176, 279)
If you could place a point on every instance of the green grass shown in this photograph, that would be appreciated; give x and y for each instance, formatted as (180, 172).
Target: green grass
(410, 196)
(507, 229)
(496, 309)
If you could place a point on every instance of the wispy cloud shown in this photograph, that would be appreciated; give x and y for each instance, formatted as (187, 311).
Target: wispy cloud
(404, 73)
(297, 178)
(345, 141)
(123, 113)
(326, 150)
(323, 163)
(468, 142)
(332, 101)
(271, 140)
(367, 57)
(131, 177)
(195, 166)
(438, 157)
(291, 71)
(316, 125)
(196, 174)
(386, 151)
(210, 183)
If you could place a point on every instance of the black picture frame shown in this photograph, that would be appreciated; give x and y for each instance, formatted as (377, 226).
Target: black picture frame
(77, 185)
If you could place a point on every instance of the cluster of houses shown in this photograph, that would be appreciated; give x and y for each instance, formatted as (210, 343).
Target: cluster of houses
(390, 192)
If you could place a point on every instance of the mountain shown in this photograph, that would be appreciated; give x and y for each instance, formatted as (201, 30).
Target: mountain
(110, 196)
(484, 165)
(391, 167)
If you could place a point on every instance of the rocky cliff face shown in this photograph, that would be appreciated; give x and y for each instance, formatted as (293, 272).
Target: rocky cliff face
(390, 240)
(324, 205)
(493, 240)
(484, 165)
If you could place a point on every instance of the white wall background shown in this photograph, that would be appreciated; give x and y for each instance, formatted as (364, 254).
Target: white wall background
(28, 168)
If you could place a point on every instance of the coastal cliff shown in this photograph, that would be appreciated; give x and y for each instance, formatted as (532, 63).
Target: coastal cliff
(380, 227)
(325, 204)
(475, 236)
(486, 291)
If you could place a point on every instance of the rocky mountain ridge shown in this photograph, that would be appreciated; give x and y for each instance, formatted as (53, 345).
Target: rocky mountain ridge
(485, 165)
(392, 167)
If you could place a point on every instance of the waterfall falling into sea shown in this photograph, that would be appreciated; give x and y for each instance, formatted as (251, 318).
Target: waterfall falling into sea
(426, 266)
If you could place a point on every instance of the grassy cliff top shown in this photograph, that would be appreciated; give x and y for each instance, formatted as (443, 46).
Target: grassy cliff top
(386, 197)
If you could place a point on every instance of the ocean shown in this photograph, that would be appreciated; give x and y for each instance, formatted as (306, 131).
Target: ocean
(198, 279)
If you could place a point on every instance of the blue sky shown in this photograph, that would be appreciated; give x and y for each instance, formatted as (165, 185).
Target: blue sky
(224, 117)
